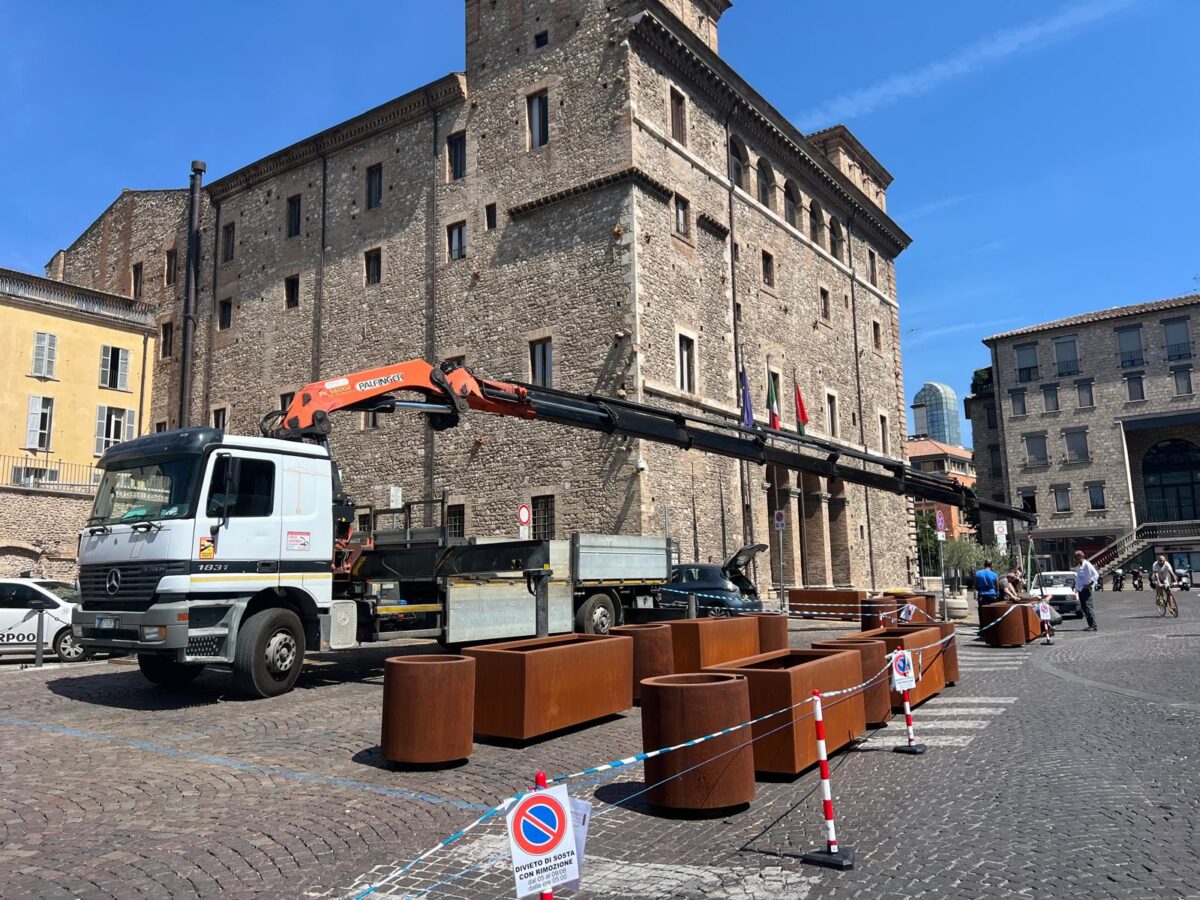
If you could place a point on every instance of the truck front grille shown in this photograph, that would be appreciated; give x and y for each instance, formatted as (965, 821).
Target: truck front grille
(135, 584)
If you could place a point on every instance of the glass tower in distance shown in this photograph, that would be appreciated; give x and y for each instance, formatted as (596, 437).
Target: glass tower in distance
(935, 414)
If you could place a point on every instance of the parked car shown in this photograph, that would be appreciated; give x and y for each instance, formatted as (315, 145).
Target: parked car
(20, 599)
(1059, 590)
(726, 588)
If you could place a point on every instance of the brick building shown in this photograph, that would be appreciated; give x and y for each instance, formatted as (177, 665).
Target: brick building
(599, 202)
(1092, 422)
(955, 463)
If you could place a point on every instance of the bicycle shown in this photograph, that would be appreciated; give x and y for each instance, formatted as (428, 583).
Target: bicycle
(1165, 600)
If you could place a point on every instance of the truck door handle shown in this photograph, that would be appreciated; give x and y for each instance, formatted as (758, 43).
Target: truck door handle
(268, 567)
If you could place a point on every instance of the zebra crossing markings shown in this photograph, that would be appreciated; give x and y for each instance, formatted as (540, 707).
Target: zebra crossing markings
(937, 720)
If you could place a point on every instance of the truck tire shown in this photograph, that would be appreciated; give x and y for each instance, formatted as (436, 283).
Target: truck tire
(596, 615)
(269, 653)
(167, 672)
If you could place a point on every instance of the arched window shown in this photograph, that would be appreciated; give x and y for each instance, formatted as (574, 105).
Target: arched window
(836, 241)
(816, 224)
(766, 184)
(1171, 476)
(739, 164)
(791, 205)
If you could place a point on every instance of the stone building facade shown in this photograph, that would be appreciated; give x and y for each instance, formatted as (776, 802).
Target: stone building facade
(600, 194)
(1093, 423)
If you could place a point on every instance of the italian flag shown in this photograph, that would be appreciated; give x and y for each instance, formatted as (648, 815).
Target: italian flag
(801, 412)
(772, 402)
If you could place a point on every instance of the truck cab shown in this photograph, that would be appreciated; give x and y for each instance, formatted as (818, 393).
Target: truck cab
(209, 549)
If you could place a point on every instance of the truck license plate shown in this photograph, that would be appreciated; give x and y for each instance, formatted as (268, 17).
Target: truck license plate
(107, 622)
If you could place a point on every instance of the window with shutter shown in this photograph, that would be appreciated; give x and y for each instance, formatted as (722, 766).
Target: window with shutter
(99, 445)
(31, 425)
(130, 425)
(123, 370)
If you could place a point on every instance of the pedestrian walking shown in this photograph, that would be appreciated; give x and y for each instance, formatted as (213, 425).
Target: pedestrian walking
(986, 583)
(1085, 577)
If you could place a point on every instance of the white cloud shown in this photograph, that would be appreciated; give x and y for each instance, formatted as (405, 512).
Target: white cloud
(971, 58)
(923, 336)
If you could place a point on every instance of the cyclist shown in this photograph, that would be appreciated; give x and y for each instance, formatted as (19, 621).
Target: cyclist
(1162, 576)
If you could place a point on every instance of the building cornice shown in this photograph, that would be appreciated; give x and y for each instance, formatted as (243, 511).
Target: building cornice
(644, 181)
(62, 298)
(446, 91)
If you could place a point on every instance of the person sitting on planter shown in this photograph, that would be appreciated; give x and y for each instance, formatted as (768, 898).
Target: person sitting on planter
(1007, 589)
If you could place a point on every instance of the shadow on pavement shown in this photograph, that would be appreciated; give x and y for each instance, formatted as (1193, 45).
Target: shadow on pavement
(373, 757)
(628, 795)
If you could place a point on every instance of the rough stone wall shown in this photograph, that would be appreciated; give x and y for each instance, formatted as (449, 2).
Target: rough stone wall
(990, 482)
(39, 531)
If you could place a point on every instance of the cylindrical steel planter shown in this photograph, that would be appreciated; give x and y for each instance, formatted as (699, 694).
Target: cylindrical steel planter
(653, 652)
(873, 610)
(428, 708)
(1009, 628)
(772, 630)
(712, 775)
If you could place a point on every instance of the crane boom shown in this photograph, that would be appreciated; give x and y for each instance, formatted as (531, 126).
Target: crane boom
(449, 389)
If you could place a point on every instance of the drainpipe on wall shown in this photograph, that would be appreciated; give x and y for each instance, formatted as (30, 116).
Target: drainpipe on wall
(142, 384)
(862, 425)
(432, 247)
(191, 278)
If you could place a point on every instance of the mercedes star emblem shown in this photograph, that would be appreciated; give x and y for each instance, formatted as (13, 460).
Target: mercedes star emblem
(112, 583)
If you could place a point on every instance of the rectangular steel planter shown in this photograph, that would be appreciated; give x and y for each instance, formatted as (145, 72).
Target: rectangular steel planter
(947, 651)
(699, 643)
(787, 744)
(528, 688)
(877, 696)
(932, 670)
(825, 603)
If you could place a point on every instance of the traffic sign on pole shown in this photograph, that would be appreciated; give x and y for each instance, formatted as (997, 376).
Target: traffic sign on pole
(541, 836)
(780, 520)
(941, 521)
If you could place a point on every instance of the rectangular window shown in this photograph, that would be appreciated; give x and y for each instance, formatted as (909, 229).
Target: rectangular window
(113, 425)
(874, 267)
(1083, 395)
(678, 117)
(1135, 389)
(877, 336)
(456, 239)
(293, 216)
(683, 225)
(1027, 363)
(768, 269)
(1066, 356)
(225, 314)
(541, 39)
(456, 520)
(1018, 402)
(375, 186)
(826, 312)
(994, 458)
(1077, 446)
(884, 437)
(538, 113)
(831, 415)
(1062, 499)
(1035, 450)
(1178, 340)
(38, 423)
(687, 364)
(370, 420)
(1050, 397)
(489, 216)
(1096, 496)
(989, 412)
(45, 354)
(285, 400)
(1183, 382)
(170, 267)
(543, 518)
(456, 153)
(1130, 342)
(373, 266)
(541, 363)
(136, 292)
(291, 292)
(114, 368)
(1029, 502)
(160, 426)
(166, 340)
(228, 237)
(253, 489)
(219, 417)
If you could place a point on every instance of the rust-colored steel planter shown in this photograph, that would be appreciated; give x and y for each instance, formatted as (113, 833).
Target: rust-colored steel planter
(653, 652)
(772, 630)
(878, 612)
(698, 643)
(787, 744)
(825, 603)
(428, 708)
(948, 651)
(932, 671)
(1013, 628)
(877, 696)
(528, 688)
(708, 776)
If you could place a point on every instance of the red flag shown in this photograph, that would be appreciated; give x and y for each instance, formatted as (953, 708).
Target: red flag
(801, 412)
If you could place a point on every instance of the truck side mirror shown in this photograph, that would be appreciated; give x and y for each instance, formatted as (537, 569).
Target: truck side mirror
(233, 468)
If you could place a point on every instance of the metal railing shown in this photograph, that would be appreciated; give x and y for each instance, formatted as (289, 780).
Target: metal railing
(1131, 358)
(1179, 351)
(1027, 373)
(1068, 367)
(1133, 542)
(40, 473)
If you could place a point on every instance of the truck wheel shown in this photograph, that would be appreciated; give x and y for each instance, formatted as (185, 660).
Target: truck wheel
(269, 654)
(596, 615)
(67, 649)
(167, 672)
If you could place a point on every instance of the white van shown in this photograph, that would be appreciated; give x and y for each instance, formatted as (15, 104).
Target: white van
(20, 599)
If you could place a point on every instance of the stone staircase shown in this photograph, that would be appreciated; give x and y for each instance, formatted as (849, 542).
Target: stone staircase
(1129, 545)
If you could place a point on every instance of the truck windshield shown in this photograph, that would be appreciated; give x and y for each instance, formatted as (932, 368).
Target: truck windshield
(153, 490)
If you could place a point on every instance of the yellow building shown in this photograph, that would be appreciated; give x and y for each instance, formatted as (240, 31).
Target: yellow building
(76, 368)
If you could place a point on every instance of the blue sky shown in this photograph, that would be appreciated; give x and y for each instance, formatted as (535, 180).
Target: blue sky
(1045, 152)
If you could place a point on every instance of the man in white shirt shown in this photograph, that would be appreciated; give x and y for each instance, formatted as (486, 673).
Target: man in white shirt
(1162, 573)
(1085, 577)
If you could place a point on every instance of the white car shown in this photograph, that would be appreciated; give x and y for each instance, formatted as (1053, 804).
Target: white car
(1059, 589)
(19, 602)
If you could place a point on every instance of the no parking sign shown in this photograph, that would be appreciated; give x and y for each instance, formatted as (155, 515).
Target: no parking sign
(903, 677)
(541, 837)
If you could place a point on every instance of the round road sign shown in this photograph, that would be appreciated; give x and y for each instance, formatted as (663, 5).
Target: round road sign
(900, 664)
(941, 521)
(523, 515)
(539, 825)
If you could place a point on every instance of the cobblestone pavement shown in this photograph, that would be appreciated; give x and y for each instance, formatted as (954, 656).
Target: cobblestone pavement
(1067, 770)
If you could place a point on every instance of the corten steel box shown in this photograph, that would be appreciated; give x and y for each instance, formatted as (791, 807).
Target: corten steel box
(532, 687)
(699, 643)
(772, 630)
(933, 672)
(653, 653)
(428, 708)
(787, 744)
(877, 696)
(948, 651)
(879, 612)
(825, 603)
(1015, 629)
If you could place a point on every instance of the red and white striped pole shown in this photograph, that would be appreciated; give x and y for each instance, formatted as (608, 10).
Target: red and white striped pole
(539, 782)
(912, 746)
(832, 857)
